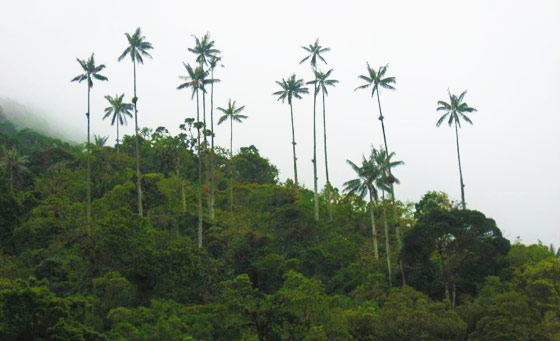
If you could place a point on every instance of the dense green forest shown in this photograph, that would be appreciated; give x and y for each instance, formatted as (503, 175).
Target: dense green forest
(266, 271)
(172, 237)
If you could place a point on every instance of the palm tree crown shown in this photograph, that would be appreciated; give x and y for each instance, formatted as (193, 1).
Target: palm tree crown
(377, 79)
(137, 47)
(196, 79)
(204, 49)
(100, 140)
(232, 113)
(322, 80)
(454, 110)
(118, 109)
(291, 88)
(314, 51)
(90, 71)
(13, 165)
(385, 164)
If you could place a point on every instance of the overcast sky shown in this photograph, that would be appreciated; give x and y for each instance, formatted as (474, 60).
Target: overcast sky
(506, 53)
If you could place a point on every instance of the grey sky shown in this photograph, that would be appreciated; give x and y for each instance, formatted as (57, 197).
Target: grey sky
(506, 53)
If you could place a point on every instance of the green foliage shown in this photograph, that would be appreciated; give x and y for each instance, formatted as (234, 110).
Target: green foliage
(267, 271)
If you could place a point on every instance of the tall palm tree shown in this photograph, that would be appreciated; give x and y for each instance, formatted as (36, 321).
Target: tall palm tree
(119, 110)
(315, 51)
(291, 88)
(385, 183)
(194, 80)
(206, 53)
(377, 80)
(366, 183)
(455, 111)
(13, 165)
(137, 47)
(91, 71)
(213, 63)
(322, 81)
(100, 140)
(233, 114)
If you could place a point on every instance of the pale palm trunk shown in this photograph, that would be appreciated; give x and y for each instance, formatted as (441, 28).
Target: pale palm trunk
(231, 164)
(138, 178)
(373, 231)
(294, 144)
(460, 170)
(212, 170)
(88, 182)
(117, 135)
(315, 194)
(397, 220)
(387, 244)
(328, 187)
(199, 176)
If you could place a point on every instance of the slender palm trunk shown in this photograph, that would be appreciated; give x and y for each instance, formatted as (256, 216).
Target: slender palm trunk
(397, 220)
(315, 194)
(88, 182)
(212, 170)
(117, 134)
(231, 164)
(199, 176)
(373, 231)
(328, 187)
(294, 144)
(387, 244)
(206, 158)
(138, 178)
(460, 170)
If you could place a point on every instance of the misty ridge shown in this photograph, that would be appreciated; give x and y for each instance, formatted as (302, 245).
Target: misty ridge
(23, 116)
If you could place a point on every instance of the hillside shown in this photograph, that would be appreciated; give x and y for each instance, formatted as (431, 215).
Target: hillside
(265, 269)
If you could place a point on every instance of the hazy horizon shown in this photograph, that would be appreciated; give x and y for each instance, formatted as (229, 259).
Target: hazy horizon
(505, 53)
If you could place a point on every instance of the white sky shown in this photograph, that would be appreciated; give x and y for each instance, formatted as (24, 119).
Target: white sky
(506, 53)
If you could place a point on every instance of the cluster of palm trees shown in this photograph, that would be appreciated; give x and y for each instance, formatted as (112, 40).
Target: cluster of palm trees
(374, 174)
(198, 79)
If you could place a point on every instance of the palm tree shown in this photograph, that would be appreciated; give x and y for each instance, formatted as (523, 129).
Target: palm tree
(100, 140)
(377, 79)
(13, 165)
(206, 54)
(322, 81)
(233, 114)
(119, 110)
(315, 51)
(291, 88)
(455, 111)
(214, 62)
(385, 183)
(366, 182)
(194, 80)
(137, 47)
(90, 71)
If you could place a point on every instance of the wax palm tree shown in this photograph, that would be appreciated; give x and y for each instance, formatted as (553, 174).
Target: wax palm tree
(100, 140)
(292, 88)
(205, 53)
(213, 63)
(137, 48)
(385, 183)
(194, 80)
(322, 81)
(233, 114)
(366, 183)
(119, 110)
(455, 111)
(91, 71)
(14, 165)
(314, 52)
(377, 79)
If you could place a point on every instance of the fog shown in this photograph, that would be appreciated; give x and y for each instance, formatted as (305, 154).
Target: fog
(506, 53)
